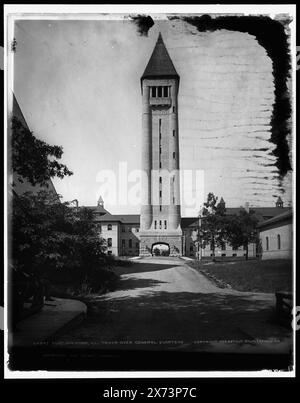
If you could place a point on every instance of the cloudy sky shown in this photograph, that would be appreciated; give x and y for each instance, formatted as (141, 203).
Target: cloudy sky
(78, 85)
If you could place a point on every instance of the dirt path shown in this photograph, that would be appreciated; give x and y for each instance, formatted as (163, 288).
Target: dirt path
(174, 306)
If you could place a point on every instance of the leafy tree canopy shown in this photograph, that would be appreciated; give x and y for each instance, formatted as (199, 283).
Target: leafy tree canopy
(213, 222)
(34, 159)
(241, 229)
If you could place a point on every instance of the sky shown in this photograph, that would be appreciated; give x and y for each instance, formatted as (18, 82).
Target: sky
(78, 85)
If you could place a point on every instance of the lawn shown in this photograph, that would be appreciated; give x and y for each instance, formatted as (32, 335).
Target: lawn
(252, 275)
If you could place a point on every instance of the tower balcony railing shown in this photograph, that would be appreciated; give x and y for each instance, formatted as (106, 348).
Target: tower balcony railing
(163, 101)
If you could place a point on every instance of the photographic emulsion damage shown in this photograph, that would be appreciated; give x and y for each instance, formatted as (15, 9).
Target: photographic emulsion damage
(150, 192)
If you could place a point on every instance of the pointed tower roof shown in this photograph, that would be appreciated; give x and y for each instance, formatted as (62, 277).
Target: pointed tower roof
(100, 201)
(279, 202)
(160, 63)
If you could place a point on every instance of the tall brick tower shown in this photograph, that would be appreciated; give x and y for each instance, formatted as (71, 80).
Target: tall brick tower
(160, 210)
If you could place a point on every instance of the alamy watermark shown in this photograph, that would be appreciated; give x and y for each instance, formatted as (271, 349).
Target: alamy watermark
(166, 187)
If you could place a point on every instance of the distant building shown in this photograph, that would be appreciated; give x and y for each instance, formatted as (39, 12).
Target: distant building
(121, 232)
(123, 236)
(276, 236)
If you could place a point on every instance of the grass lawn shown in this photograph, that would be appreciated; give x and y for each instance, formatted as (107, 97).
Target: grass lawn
(252, 275)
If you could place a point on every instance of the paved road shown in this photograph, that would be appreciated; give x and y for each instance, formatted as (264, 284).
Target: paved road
(167, 305)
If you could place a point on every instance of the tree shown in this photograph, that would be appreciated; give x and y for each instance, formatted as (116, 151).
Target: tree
(241, 229)
(34, 159)
(48, 237)
(213, 223)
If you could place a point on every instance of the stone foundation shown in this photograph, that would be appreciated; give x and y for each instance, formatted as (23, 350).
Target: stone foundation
(147, 241)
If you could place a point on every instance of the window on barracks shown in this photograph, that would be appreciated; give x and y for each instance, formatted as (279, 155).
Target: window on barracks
(109, 241)
(165, 224)
(159, 92)
(130, 243)
(153, 92)
(278, 242)
(166, 91)
(267, 243)
(123, 243)
(109, 227)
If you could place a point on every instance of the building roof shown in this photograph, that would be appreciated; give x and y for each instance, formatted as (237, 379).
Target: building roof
(286, 215)
(123, 218)
(160, 63)
(264, 212)
(97, 209)
(189, 221)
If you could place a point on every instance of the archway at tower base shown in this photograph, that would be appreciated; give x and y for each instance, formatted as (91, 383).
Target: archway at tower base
(160, 249)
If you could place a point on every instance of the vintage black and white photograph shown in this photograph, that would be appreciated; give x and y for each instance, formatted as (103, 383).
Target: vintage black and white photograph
(150, 190)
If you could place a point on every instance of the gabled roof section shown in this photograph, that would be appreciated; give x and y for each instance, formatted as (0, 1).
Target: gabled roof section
(286, 216)
(122, 218)
(97, 209)
(160, 63)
